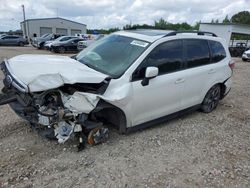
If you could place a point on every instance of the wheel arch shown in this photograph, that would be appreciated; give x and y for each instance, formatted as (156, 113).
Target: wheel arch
(112, 114)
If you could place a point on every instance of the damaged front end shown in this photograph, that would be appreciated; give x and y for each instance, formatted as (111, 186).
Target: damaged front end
(59, 113)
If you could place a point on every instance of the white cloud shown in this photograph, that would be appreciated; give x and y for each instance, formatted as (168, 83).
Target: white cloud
(117, 13)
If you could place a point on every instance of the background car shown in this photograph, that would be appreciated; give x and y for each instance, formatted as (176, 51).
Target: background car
(69, 45)
(246, 55)
(83, 44)
(39, 42)
(13, 40)
(48, 44)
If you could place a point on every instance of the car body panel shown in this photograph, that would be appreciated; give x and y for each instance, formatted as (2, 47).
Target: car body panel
(42, 72)
(246, 55)
(12, 40)
(69, 45)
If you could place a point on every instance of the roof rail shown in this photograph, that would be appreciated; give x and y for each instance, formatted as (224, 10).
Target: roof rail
(198, 33)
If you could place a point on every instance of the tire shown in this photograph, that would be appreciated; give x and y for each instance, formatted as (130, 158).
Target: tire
(244, 59)
(211, 99)
(41, 46)
(21, 44)
(61, 49)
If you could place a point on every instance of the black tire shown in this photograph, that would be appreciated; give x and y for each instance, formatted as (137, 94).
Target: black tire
(244, 59)
(61, 50)
(211, 99)
(41, 46)
(21, 44)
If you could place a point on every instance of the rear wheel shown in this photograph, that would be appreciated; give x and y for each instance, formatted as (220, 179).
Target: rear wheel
(61, 49)
(211, 99)
(21, 44)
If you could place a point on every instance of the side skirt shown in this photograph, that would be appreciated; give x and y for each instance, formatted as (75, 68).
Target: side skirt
(162, 119)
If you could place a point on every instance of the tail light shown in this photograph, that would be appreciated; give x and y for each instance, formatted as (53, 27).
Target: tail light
(231, 64)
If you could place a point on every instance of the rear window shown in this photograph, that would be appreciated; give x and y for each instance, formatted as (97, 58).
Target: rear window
(217, 51)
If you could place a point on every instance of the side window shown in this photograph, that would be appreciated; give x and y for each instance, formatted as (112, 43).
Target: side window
(76, 40)
(217, 51)
(197, 52)
(167, 57)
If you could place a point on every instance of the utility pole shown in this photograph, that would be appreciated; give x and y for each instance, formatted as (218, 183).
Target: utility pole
(24, 23)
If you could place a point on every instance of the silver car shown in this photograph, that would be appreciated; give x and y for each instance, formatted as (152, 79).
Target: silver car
(13, 40)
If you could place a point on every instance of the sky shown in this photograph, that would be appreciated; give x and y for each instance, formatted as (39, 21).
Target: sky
(117, 13)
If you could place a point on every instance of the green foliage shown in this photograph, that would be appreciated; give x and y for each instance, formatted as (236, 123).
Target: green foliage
(102, 31)
(164, 25)
(226, 20)
(241, 18)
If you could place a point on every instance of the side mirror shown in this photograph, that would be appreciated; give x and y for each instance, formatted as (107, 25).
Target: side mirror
(151, 72)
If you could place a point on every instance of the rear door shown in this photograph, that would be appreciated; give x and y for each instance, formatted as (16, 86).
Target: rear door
(198, 71)
(72, 45)
(6, 40)
(162, 96)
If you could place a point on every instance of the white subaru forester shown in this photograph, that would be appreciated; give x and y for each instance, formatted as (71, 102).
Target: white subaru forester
(129, 79)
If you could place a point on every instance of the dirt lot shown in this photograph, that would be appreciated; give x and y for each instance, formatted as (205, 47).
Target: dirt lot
(197, 150)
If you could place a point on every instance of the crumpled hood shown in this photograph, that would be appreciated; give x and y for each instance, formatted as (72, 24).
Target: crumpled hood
(43, 72)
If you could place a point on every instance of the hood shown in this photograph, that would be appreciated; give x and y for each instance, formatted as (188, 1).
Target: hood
(247, 52)
(43, 72)
(49, 41)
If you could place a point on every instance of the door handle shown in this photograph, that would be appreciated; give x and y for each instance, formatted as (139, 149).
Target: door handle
(211, 71)
(180, 80)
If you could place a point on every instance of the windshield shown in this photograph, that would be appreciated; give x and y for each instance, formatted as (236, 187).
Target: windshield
(113, 54)
(45, 35)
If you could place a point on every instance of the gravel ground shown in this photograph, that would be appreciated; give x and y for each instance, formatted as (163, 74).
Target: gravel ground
(196, 150)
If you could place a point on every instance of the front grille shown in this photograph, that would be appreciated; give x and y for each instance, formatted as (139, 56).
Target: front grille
(248, 55)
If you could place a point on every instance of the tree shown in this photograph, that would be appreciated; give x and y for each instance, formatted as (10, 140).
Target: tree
(196, 26)
(226, 20)
(241, 18)
(161, 24)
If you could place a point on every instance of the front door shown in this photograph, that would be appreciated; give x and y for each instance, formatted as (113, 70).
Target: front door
(162, 96)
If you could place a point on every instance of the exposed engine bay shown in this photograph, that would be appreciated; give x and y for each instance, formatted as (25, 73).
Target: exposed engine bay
(55, 114)
(62, 113)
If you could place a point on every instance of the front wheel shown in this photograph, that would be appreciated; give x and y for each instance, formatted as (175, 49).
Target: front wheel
(211, 99)
(61, 49)
(21, 44)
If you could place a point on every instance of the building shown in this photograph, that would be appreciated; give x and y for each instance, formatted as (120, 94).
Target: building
(224, 30)
(41, 26)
